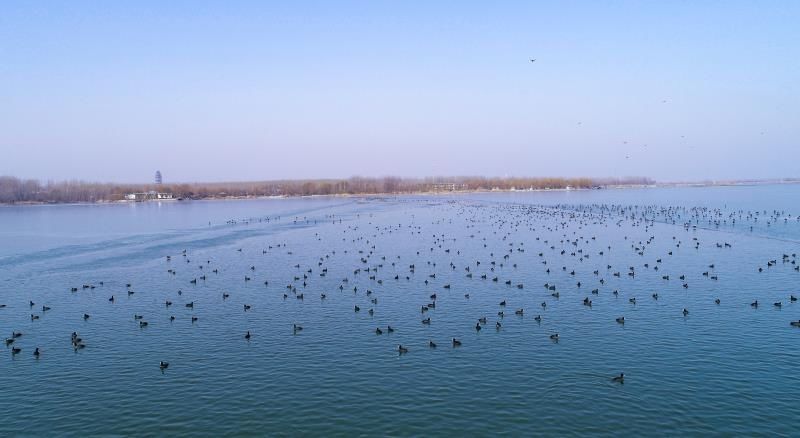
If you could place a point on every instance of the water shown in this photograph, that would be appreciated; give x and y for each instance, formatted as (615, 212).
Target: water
(722, 369)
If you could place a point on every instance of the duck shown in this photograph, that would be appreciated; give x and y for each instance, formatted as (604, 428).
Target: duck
(163, 365)
(378, 331)
(401, 349)
(431, 344)
(247, 335)
(621, 320)
(456, 342)
(619, 379)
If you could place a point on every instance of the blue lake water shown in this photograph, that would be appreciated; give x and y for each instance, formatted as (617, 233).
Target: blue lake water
(727, 368)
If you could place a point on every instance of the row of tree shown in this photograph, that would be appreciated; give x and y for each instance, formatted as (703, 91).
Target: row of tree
(16, 190)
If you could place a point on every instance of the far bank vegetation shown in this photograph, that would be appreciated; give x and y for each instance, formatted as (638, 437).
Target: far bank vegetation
(16, 190)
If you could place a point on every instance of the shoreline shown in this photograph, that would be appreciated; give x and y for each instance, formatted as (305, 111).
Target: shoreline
(417, 193)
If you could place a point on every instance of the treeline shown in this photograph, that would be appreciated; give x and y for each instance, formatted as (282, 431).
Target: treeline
(16, 190)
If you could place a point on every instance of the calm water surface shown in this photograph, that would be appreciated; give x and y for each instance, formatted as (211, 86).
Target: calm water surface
(726, 369)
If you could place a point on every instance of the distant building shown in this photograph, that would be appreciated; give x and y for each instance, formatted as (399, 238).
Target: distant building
(158, 177)
(149, 196)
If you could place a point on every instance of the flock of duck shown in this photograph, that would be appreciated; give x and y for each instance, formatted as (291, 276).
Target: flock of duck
(553, 241)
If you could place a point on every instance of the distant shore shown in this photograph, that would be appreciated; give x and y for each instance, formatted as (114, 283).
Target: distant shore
(20, 191)
(220, 197)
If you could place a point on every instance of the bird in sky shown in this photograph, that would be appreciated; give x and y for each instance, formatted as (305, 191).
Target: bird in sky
(533, 59)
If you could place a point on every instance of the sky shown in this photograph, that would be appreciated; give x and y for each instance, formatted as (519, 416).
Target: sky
(241, 90)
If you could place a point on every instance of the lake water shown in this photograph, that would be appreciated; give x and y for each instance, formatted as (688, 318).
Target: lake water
(727, 368)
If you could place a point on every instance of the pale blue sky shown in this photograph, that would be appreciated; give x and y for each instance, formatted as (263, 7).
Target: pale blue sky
(214, 91)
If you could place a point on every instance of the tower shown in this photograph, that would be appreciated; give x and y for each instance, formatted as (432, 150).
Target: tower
(158, 177)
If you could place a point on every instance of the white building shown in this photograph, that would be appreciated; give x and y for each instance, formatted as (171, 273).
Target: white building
(149, 196)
